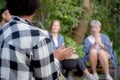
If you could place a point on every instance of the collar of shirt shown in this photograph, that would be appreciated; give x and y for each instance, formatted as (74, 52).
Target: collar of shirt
(16, 18)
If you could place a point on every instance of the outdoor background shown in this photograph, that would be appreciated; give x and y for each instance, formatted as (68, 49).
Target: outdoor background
(75, 16)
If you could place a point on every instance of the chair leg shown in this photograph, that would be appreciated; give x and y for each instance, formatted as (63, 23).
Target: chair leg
(115, 74)
(69, 75)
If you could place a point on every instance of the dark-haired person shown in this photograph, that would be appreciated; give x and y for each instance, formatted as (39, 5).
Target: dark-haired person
(25, 51)
(5, 15)
(58, 40)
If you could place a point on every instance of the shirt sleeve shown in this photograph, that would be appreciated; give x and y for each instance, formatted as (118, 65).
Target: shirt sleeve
(87, 46)
(57, 64)
(43, 64)
(107, 44)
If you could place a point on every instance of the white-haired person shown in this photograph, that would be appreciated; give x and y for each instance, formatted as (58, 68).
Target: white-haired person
(97, 47)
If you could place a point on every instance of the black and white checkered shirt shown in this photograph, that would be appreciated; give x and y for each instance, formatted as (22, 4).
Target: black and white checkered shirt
(25, 52)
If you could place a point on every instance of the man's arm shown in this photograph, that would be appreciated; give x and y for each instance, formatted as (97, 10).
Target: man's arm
(43, 61)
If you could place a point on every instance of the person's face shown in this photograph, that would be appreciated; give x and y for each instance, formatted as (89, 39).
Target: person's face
(6, 16)
(95, 29)
(56, 27)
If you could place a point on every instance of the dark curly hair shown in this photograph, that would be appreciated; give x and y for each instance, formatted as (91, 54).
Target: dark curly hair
(3, 10)
(22, 7)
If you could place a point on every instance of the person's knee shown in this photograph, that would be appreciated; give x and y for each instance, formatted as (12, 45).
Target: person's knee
(101, 53)
(93, 52)
(93, 55)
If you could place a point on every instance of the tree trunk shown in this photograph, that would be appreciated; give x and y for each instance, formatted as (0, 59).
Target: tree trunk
(78, 33)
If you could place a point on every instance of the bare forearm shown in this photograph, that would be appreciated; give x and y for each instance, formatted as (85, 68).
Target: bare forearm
(93, 46)
(101, 45)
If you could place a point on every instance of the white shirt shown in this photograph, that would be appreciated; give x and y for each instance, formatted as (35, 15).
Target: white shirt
(92, 41)
(55, 42)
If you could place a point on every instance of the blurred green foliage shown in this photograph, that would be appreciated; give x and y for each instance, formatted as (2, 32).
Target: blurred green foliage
(2, 4)
(70, 42)
(67, 11)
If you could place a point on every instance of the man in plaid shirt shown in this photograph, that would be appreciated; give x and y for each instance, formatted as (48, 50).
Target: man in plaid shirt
(25, 51)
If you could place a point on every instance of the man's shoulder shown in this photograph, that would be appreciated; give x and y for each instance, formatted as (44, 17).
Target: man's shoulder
(28, 29)
(37, 31)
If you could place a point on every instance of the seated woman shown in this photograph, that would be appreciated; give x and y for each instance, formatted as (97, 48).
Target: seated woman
(97, 46)
(58, 40)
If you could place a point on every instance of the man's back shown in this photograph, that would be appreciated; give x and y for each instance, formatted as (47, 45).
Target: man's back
(25, 52)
